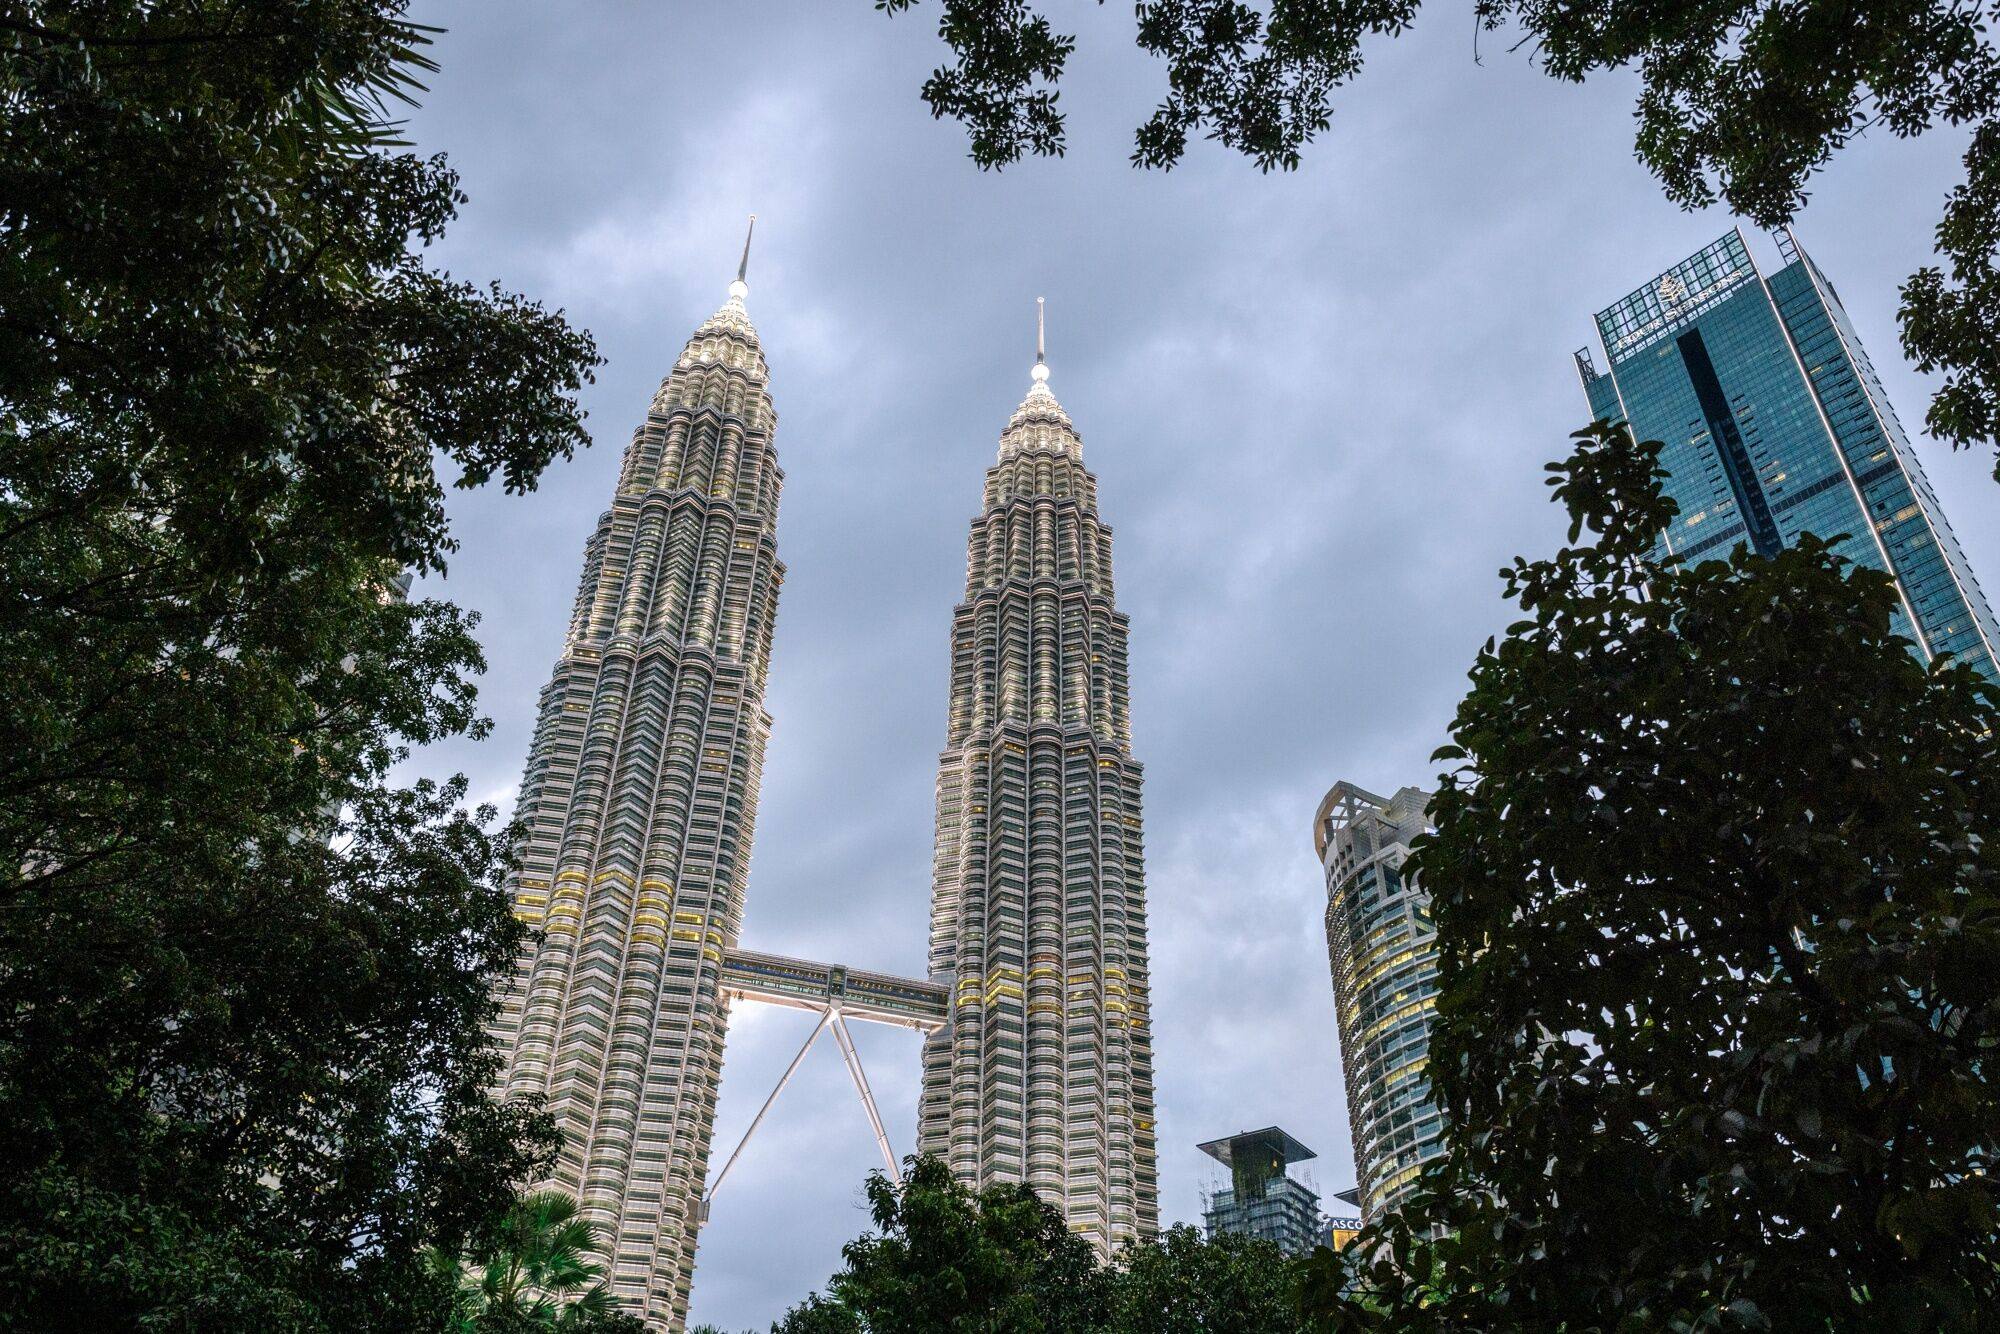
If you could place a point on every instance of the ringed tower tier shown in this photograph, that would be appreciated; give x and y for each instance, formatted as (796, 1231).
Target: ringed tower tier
(1038, 917)
(639, 799)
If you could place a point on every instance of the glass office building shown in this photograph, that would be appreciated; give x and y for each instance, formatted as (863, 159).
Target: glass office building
(1775, 424)
(1260, 1199)
(1383, 949)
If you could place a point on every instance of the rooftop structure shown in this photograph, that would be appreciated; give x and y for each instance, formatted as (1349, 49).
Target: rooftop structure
(1261, 1200)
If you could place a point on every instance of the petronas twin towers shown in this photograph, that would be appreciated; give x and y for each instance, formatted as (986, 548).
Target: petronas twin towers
(641, 795)
(1038, 908)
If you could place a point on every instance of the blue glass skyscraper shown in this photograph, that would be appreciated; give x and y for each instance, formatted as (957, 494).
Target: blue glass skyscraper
(1775, 424)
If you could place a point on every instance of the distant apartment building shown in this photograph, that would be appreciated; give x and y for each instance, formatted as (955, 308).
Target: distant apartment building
(1774, 424)
(1383, 950)
(1261, 1200)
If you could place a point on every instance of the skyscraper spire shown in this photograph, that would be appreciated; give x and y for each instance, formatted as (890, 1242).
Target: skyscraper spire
(1039, 407)
(743, 267)
(1041, 371)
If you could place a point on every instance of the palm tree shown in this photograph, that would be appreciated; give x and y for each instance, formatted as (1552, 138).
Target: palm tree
(535, 1275)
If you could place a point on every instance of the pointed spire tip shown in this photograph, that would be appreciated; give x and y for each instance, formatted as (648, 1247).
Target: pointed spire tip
(741, 287)
(1041, 371)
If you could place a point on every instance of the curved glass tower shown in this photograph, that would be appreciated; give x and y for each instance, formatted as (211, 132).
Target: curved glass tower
(639, 799)
(1385, 984)
(1038, 917)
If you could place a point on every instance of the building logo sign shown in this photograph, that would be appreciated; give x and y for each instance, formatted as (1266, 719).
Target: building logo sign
(1676, 297)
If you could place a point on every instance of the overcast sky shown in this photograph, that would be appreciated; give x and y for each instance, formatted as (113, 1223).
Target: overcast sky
(1318, 405)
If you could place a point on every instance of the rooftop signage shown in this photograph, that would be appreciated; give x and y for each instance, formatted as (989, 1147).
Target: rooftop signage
(1677, 297)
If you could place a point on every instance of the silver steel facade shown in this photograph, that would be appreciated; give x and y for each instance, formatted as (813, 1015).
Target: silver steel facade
(1038, 918)
(1383, 948)
(640, 798)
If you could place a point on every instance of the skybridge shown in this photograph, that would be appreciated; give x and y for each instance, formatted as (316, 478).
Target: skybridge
(836, 993)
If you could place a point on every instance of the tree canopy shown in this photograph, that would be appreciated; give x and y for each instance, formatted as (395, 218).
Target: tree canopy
(946, 1258)
(1717, 889)
(1740, 103)
(1002, 1261)
(1183, 1283)
(244, 979)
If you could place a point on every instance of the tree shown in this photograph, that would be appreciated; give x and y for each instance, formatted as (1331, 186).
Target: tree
(244, 981)
(535, 1274)
(1181, 1283)
(1717, 891)
(1002, 1261)
(944, 1257)
(1741, 103)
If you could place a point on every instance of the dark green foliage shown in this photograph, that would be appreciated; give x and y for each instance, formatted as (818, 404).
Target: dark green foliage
(243, 981)
(1001, 1261)
(1740, 103)
(533, 1275)
(1717, 889)
(1183, 1284)
(1259, 80)
(1947, 324)
(1003, 49)
(945, 1258)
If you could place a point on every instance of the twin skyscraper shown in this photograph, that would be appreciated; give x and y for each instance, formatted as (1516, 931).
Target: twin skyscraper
(640, 799)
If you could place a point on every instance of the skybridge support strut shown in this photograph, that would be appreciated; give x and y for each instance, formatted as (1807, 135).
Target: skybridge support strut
(847, 1049)
(709, 1195)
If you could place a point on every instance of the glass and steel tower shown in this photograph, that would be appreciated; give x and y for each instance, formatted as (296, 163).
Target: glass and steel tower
(1775, 424)
(1038, 914)
(1385, 984)
(1261, 1200)
(639, 799)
